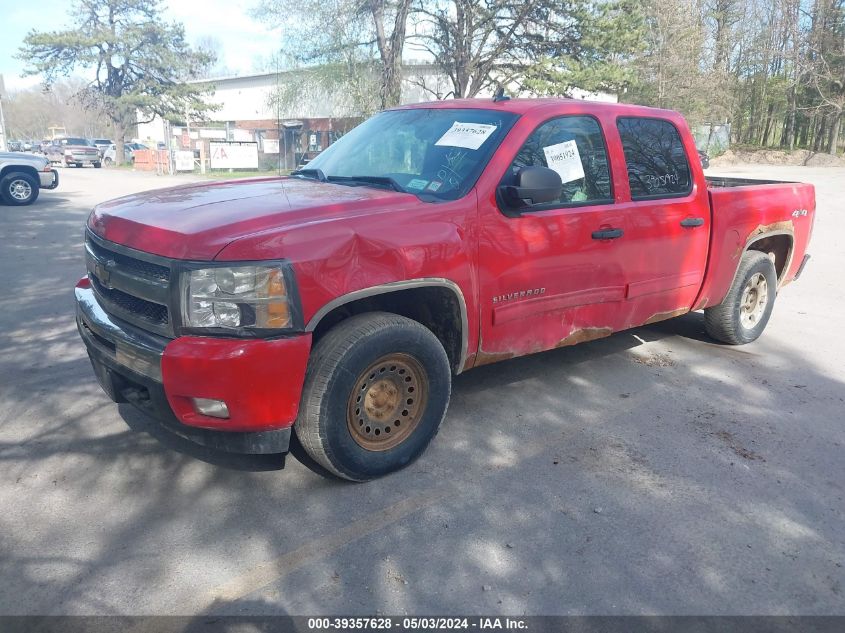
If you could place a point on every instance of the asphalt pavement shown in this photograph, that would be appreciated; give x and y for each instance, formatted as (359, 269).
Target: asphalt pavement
(652, 472)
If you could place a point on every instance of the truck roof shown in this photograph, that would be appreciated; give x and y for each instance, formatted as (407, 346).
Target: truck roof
(521, 106)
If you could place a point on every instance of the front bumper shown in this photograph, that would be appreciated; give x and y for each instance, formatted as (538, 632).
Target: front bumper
(87, 159)
(260, 380)
(48, 179)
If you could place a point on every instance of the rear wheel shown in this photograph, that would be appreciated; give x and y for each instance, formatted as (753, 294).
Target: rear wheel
(376, 391)
(18, 189)
(743, 315)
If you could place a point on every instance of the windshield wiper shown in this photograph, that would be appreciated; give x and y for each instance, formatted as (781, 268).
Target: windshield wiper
(384, 181)
(311, 173)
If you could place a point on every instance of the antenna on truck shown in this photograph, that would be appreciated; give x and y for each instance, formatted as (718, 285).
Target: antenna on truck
(500, 95)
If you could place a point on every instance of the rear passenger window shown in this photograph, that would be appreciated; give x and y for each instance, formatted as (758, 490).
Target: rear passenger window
(574, 147)
(657, 162)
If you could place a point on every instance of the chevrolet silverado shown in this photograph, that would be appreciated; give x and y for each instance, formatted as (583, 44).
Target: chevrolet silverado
(338, 302)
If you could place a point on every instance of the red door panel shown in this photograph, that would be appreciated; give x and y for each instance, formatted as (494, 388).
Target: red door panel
(547, 278)
(666, 245)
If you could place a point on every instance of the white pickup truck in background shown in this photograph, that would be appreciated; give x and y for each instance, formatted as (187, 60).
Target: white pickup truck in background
(22, 176)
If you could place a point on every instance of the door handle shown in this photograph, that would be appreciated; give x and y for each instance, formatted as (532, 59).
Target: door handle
(607, 234)
(691, 222)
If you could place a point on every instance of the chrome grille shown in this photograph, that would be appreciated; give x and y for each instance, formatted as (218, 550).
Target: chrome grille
(130, 285)
(153, 312)
(130, 264)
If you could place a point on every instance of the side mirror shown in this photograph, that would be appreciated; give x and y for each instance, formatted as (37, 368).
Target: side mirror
(534, 185)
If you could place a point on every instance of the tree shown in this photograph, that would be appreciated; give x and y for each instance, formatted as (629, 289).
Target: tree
(347, 33)
(826, 75)
(140, 63)
(469, 39)
(348, 87)
(595, 49)
(30, 112)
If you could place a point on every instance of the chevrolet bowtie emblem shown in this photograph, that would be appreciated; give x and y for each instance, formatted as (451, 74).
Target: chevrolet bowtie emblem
(102, 272)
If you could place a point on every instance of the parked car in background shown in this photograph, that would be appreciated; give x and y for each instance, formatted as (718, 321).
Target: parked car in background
(15, 146)
(22, 176)
(102, 144)
(26, 146)
(129, 150)
(74, 151)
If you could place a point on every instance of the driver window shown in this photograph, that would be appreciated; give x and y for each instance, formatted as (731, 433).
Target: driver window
(574, 147)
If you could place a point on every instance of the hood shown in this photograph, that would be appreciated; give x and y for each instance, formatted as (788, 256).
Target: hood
(23, 158)
(198, 221)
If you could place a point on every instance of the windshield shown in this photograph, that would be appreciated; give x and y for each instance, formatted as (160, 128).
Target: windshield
(436, 152)
(75, 141)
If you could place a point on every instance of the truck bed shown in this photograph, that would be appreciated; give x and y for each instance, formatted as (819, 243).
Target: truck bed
(714, 182)
(742, 209)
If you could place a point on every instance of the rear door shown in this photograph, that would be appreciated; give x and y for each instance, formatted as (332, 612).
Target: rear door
(547, 277)
(664, 252)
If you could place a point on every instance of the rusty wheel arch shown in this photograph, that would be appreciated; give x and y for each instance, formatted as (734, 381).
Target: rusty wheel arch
(377, 298)
(777, 241)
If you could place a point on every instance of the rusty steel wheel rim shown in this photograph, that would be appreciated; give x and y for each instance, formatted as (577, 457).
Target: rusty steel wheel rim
(387, 402)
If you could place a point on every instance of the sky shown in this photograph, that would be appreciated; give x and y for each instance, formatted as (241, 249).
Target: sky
(245, 43)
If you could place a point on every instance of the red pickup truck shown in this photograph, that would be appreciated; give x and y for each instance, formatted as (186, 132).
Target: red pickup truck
(339, 301)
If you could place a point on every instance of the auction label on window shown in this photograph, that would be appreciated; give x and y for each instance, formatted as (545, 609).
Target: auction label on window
(466, 135)
(565, 160)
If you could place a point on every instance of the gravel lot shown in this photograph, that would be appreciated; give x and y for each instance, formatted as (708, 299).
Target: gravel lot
(651, 472)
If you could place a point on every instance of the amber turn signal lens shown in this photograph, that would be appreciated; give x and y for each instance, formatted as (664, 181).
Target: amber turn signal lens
(278, 312)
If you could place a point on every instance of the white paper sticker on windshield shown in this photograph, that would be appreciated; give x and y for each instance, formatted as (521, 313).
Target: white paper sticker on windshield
(565, 160)
(467, 135)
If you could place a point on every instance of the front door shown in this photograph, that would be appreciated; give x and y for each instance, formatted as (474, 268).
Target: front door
(551, 275)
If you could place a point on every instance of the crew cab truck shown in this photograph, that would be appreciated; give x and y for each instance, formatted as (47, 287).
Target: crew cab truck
(338, 302)
(77, 152)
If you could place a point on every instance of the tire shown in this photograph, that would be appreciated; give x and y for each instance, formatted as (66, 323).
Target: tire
(97, 165)
(108, 161)
(367, 377)
(741, 318)
(19, 189)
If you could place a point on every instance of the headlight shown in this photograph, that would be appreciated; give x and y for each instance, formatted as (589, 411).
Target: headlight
(233, 297)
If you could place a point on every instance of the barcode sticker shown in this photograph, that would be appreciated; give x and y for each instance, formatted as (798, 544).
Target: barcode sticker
(466, 135)
(565, 160)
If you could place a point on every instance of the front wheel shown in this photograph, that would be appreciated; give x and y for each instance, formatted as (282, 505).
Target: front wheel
(19, 189)
(108, 161)
(97, 165)
(375, 393)
(745, 311)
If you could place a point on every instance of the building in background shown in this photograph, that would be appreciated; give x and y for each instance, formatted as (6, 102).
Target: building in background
(288, 136)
